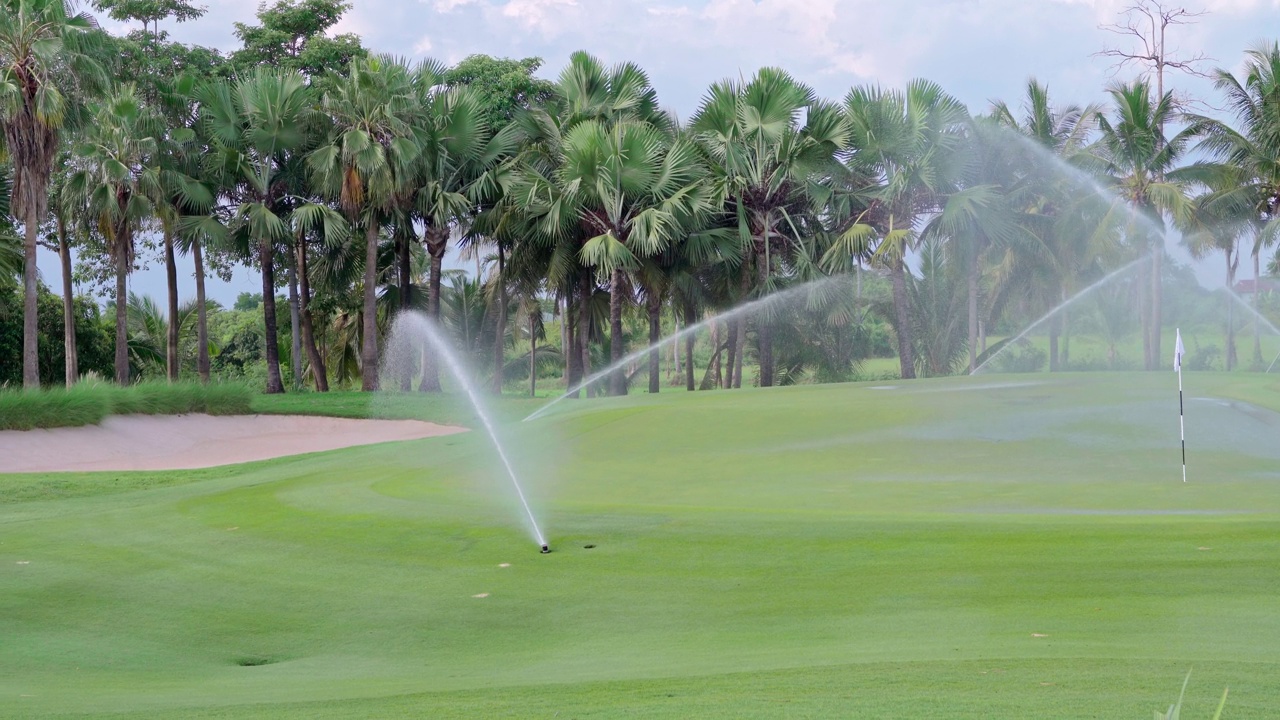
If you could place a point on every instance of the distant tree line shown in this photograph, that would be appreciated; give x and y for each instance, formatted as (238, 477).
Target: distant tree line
(597, 220)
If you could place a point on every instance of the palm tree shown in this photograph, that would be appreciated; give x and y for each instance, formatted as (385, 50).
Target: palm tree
(586, 91)
(460, 173)
(911, 146)
(1138, 162)
(1216, 224)
(42, 48)
(62, 208)
(1043, 137)
(146, 324)
(977, 221)
(117, 155)
(763, 158)
(371, 139)
(258, 127)
(1251, 153)
(178, 196)
(10, 255)
(935, 311)
(630, 189)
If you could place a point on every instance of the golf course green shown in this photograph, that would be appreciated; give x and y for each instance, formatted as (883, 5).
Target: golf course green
(1001, 546)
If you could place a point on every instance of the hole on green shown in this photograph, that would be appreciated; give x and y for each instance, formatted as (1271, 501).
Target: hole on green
(254, 661)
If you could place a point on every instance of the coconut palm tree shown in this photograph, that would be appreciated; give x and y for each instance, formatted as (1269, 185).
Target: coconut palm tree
(1040, 143)
(1250, 152)
(371, 139)
(1216, 224)
(768, 140)
(1138, 163)
(911, 147)
(43, 55)
(979, 220)
(258, 128)
(118, 155)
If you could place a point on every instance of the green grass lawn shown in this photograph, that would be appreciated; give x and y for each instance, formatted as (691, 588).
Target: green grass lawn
(998, 546)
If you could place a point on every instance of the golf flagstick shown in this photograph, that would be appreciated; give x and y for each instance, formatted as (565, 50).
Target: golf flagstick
(1178, 352)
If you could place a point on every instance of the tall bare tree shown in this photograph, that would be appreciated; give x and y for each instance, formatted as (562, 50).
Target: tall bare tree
(1146, 25)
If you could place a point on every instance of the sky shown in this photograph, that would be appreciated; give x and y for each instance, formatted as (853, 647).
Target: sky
(978, 50)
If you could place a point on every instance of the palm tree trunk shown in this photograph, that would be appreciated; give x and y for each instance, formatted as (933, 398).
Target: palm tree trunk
(295, 323)
(690, 319)
(740, 345)
(1229, 354)
(740, 329)
(906, 351)
(30, 316)
(122, 317)
(584, 327)
(618, 380)
(436, 240)
(403, 238)
(655, 336)
(369, 341)
(674, 366)
(500, 339)
(1055, 332)
(171, 281)
(1257, 325)
(68, 307)
(533, 357)
(1066, 339)
(569, 347)
(764, 331)
(266, 256)
(716, 365)
(202, 315)
(1157, 298)
(973, 310)
(318, 371)
(731, 329)
(1144, 313)
(406, 270)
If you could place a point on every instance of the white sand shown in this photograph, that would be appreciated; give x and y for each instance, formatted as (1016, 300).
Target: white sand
(184, 442)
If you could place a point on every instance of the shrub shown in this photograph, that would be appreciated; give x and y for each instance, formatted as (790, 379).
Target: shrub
(1025, 358)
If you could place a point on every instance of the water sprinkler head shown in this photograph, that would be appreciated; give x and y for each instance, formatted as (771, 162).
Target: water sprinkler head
(546, 549)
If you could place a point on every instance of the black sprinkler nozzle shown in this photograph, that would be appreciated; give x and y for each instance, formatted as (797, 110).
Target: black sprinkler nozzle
(546, 549)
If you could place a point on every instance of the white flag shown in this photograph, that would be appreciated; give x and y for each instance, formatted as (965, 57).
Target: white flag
(1178, 352)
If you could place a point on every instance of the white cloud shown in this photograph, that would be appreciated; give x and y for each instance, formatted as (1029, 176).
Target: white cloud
(664, 10)
(423, 46)
(444, 6)
(544, 15)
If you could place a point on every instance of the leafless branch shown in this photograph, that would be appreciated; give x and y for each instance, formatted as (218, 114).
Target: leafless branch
(1146, 24)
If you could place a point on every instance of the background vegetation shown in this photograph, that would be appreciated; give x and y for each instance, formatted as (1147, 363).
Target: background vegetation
(598, 222)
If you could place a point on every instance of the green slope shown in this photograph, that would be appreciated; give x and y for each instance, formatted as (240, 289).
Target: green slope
(987, 547)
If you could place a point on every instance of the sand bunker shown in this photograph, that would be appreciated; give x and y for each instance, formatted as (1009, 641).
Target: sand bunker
(184, 442)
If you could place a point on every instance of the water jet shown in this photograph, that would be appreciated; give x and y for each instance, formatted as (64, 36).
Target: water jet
(757, 304)
(410, 332)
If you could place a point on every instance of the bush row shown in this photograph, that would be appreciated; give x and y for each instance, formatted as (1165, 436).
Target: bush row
(88, 403)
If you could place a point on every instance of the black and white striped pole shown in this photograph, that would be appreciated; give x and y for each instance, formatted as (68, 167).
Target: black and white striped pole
(1178, 352)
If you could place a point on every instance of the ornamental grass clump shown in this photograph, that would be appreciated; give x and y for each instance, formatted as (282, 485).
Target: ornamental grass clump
(90, 402)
